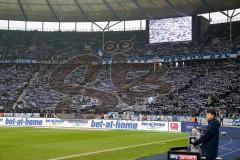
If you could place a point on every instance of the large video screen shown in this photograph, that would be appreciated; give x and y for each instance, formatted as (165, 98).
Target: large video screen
(170, 30)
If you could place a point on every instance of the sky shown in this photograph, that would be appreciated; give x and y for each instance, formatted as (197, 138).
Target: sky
(216, 17)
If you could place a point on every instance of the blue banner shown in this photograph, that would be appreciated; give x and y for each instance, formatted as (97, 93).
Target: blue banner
(188, 126)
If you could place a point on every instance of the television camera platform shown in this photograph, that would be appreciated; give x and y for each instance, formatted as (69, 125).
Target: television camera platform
(190, 152)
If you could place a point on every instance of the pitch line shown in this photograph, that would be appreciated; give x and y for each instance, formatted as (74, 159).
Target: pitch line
(228, 142)
(114, 149)
(229, 153)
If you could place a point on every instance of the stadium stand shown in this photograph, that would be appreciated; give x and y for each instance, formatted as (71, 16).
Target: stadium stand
(80, 86)
(118, 79)
(14, 79)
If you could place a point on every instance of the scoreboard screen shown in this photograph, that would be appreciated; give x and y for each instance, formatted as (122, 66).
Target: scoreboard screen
(170, 30)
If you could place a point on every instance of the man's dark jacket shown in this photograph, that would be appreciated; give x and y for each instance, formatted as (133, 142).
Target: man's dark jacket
(210, 139)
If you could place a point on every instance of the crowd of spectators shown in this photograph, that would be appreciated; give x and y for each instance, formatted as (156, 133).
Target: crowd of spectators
(186, 89)
(13, 80)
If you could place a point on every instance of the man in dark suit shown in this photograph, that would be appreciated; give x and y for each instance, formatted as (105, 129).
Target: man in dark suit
(210, 138)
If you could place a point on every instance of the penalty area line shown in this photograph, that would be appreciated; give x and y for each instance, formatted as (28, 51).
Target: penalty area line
(114, 149)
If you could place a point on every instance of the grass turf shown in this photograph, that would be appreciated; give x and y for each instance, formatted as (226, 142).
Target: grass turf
(45, 144)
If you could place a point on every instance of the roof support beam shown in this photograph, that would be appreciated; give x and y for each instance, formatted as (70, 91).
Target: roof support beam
(142, 9)
(106, 26)
(111, 10)
(98, 25)
(22, 10)
(225, 14)
(52, 10)
(82, 11)
(233, 13)
(236, 14)
(213, 9)
(114, 24)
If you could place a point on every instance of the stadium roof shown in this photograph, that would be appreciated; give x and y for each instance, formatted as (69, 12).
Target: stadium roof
(107, 10)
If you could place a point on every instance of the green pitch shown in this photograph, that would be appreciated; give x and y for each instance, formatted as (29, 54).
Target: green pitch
(63, 144)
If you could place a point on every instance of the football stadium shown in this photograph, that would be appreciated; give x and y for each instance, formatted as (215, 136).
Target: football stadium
(119, 80)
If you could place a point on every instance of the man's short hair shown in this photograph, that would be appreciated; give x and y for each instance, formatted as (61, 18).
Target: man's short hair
(212, 112)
